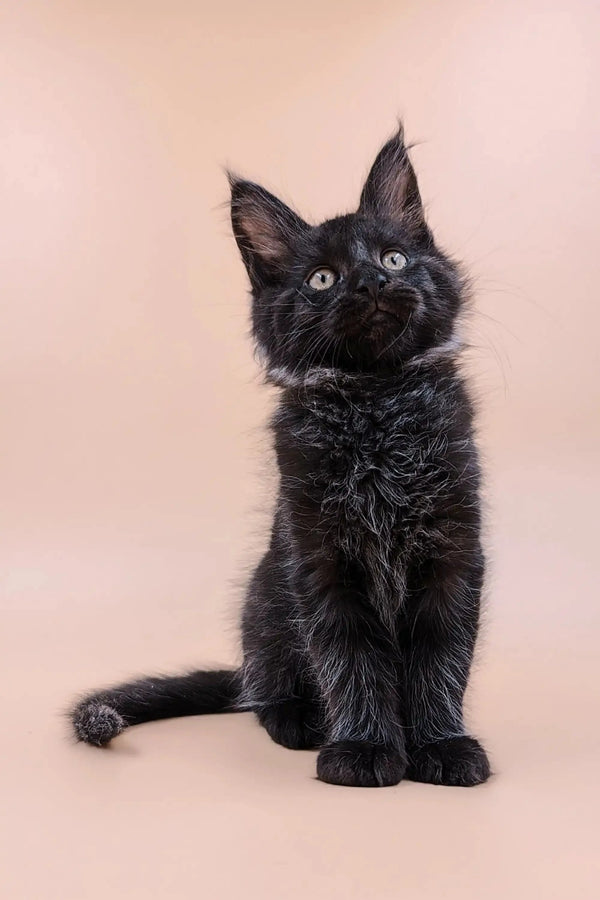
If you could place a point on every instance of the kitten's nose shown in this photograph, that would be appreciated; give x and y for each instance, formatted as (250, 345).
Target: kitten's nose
(370, 283)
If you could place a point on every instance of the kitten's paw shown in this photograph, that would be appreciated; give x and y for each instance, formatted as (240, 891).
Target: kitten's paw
(360, 764)
(458, 761)
(96, 722)
(296, 724)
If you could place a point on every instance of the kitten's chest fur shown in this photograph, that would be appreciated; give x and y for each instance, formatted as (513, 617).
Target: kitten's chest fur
(388, 467)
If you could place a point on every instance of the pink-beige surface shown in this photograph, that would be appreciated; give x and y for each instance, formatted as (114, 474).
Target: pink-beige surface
(136, 479)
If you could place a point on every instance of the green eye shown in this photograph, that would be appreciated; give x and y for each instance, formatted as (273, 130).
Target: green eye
(393, 259)
(322, 279)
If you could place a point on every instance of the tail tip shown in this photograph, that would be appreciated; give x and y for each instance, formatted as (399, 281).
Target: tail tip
(97, 723)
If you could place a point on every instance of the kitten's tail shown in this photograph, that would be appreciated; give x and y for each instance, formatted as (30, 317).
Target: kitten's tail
(101, 716)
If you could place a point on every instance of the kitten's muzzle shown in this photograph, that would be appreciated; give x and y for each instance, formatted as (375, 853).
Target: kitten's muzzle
(370, 287)
(370, 284)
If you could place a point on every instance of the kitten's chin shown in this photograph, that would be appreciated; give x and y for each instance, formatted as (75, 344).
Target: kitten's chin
(382, 343)
(384, 332)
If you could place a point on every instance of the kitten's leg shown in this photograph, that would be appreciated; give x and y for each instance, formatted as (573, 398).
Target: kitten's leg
(276, 683)
(442, 630)
(285, 703)
(354, 662)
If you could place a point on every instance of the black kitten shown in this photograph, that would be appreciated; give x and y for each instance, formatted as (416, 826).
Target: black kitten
(360, 621)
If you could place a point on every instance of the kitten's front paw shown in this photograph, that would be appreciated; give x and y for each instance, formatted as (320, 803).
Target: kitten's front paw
(458, 761)
(360, 764)
(296, 724)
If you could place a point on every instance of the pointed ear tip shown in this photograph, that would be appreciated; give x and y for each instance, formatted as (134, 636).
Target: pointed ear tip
(234, 180)
(395, 146)
(242, 190)
(398, 137)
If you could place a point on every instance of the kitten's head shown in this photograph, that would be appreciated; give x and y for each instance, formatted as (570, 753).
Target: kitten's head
(364, 292)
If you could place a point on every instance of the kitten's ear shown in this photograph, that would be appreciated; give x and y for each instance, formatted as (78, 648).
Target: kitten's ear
(265, 229)
(391, 190)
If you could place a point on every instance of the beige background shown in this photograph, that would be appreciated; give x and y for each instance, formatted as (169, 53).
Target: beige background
(134, 483)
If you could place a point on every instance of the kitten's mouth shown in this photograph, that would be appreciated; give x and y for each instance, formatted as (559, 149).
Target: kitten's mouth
(376, 323)
(386, 311)
(380, 315)
(382, 311)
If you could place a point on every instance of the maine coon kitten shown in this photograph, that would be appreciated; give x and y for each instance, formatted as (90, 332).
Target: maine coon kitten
(360, 621)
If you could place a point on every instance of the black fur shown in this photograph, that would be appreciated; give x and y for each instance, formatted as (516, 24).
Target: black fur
(361, 619)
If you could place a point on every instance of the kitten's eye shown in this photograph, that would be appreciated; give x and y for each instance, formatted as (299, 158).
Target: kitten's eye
(393, 260)
(322, 279)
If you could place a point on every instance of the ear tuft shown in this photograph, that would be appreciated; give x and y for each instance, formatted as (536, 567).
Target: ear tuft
(391, 190)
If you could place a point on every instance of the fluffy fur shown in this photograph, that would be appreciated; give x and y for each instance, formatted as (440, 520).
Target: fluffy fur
(361, 619)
